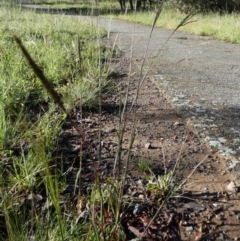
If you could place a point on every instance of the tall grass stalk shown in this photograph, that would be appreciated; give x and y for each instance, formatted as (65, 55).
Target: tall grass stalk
(3, 126)
(123, 116)
(78, 176)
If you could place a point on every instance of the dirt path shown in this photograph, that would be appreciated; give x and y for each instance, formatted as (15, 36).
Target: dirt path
(191, 95)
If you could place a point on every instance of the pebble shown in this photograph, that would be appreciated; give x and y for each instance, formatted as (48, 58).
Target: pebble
(141, 197)
(222, 140)
(109, 130)
(223, 173)
(175, 99)
(138, 209)
(147, 145)
(181, 96)
(232, 165)
(232, 187)
(189, 229)
(221, 236)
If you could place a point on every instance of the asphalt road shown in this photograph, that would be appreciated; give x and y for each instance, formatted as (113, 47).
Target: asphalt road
(200, 75)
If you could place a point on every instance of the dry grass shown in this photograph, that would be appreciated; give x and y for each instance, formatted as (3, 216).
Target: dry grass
(224, 27)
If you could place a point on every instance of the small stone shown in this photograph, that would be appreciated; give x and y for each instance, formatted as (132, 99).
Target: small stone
(223, 173)
(232, 187)
(140, 184)
(141, 196)
(189, 229)
(222, 140)
(215, 205)
(232, 165)
(87, 120)
(205, 189)
(175, 99)
(147, 145)
(109, 130)
(138, 209)
(181, 96)
(178, 123)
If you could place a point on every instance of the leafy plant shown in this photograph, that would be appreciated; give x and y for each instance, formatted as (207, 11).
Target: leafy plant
(161, 185)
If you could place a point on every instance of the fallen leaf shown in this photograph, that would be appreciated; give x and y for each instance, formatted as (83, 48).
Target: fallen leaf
(135, 231)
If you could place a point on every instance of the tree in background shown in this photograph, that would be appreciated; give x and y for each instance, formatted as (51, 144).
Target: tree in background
(207, 5)
(187, 6)
(138, 4)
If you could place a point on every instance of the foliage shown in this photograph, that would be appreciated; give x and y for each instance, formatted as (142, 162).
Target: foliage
(144, 165)
(60, 62)
(161, 185)
(206, 6)
(70, 55)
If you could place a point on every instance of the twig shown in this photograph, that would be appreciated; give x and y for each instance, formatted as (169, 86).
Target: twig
(184, 182)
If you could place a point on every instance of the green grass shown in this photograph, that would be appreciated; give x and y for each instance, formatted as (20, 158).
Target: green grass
(73, 57)
(52, 41)
(144, 165)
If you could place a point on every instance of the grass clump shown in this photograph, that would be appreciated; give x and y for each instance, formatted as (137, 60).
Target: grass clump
(52, 42)
(144, 165)
(73, 59)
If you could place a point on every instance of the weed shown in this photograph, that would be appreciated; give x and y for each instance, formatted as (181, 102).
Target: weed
(144, 165)
(161, 185)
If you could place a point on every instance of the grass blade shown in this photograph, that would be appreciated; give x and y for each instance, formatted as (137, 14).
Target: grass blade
(184, 22)
(39, 73)
(159, 10)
